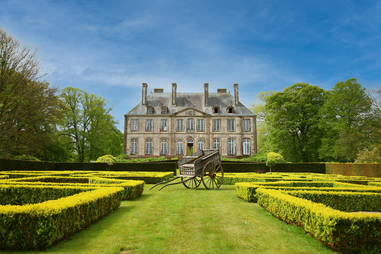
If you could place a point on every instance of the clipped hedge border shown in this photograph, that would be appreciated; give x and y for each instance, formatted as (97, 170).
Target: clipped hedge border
(248, 191)
(354, 169)
(147, 177)
(38, 226)
(343, 232)
(132, 188)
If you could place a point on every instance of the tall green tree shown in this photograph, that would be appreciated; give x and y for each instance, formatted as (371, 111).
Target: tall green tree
(87, 125)
(263, 128)
(29, 107)
(293, 117)
(347, 122)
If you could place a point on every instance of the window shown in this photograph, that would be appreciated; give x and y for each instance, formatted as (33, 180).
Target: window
(134, 146)
(216, 125)
(163, 147)
(149, 125)
(190, 124)
(134, 124)
(180, 126)
(148, 146)
(216, 144)
(246, 146)
(230, 110)
(200, 145)
(246, 125)
(200, 125)
(231, 125)
(149, 110)
(179, 147)
(164, 110)
(164, 126)
(216, 110)
(231, 145)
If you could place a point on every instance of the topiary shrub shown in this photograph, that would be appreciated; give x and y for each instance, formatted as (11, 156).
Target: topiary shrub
(109, 159)
(272, 159)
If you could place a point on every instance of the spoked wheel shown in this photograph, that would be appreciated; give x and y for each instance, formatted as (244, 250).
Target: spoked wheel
(212, 175)
(192, 184)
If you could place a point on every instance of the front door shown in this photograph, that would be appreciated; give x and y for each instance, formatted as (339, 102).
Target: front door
(189, 146)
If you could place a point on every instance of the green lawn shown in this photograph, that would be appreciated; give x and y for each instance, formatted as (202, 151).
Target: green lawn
(180, 220)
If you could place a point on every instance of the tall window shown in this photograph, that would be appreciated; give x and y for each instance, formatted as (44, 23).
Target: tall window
(163, 146)
(216, 124)
(231, 145)
(190, 124)
(216, 144)
(200, 145)
(164, 126)
(149, 125)
(134, 146)
(148, 146)
(134, 124)
(179, 147)
(246, 146)
(246, 125)
(200, 125)
(230, 125)
(180, 125)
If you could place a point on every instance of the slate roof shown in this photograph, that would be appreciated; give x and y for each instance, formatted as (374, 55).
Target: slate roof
(190, 100)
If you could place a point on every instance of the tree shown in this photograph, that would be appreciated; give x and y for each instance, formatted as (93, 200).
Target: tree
(29, 107)
(263, 128)
(293, 117)
(346, 119)
(272, 159)
(87, 125)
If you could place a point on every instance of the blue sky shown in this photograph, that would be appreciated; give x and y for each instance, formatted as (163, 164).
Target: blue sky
(109, 48)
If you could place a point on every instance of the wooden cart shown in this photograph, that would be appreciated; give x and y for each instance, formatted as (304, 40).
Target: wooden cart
(202, 166)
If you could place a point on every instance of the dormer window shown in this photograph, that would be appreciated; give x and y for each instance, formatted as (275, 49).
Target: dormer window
(149, 110)
(164, 110)
(216, 110)
(230, 110)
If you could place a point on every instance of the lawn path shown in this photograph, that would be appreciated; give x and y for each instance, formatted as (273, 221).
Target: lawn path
(180, 220)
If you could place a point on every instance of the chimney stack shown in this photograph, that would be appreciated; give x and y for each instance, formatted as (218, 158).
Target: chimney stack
(236, 99)
(206, 94)
(174, 87)
(144, 94)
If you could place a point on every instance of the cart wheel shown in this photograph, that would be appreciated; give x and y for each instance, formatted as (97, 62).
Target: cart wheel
(212, 175)
(192, 184)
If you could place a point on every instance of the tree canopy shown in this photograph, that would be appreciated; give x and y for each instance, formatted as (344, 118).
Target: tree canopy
(29, 107)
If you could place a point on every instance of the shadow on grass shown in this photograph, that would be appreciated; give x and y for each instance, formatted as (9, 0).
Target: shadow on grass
(143, 197)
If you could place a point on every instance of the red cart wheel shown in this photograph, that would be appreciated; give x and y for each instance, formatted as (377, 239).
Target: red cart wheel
(212, 175)
(192, 184)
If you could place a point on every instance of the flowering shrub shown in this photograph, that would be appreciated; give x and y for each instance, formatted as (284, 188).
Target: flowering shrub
(367, 156)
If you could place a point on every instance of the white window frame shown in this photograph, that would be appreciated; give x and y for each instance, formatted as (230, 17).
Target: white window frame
(164, 146)
(200, 145)
(246, 125)
(164, 125)
(216, 124)
(246, 146)
(216, 143)
(179, 147)
(180, 125)
(149, 124)
(134, 124)
(231, 146)
(230, 124)
(200, 125)
(134, 146)
(149, 145)
(190, 124)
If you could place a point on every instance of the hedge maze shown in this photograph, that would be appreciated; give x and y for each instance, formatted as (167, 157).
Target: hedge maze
(38, 209)
(343, 213)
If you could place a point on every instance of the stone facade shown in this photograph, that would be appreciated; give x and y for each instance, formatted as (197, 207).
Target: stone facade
(173, 124)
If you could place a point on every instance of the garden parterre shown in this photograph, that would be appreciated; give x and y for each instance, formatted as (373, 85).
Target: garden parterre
(341, 212)
(38, 209)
